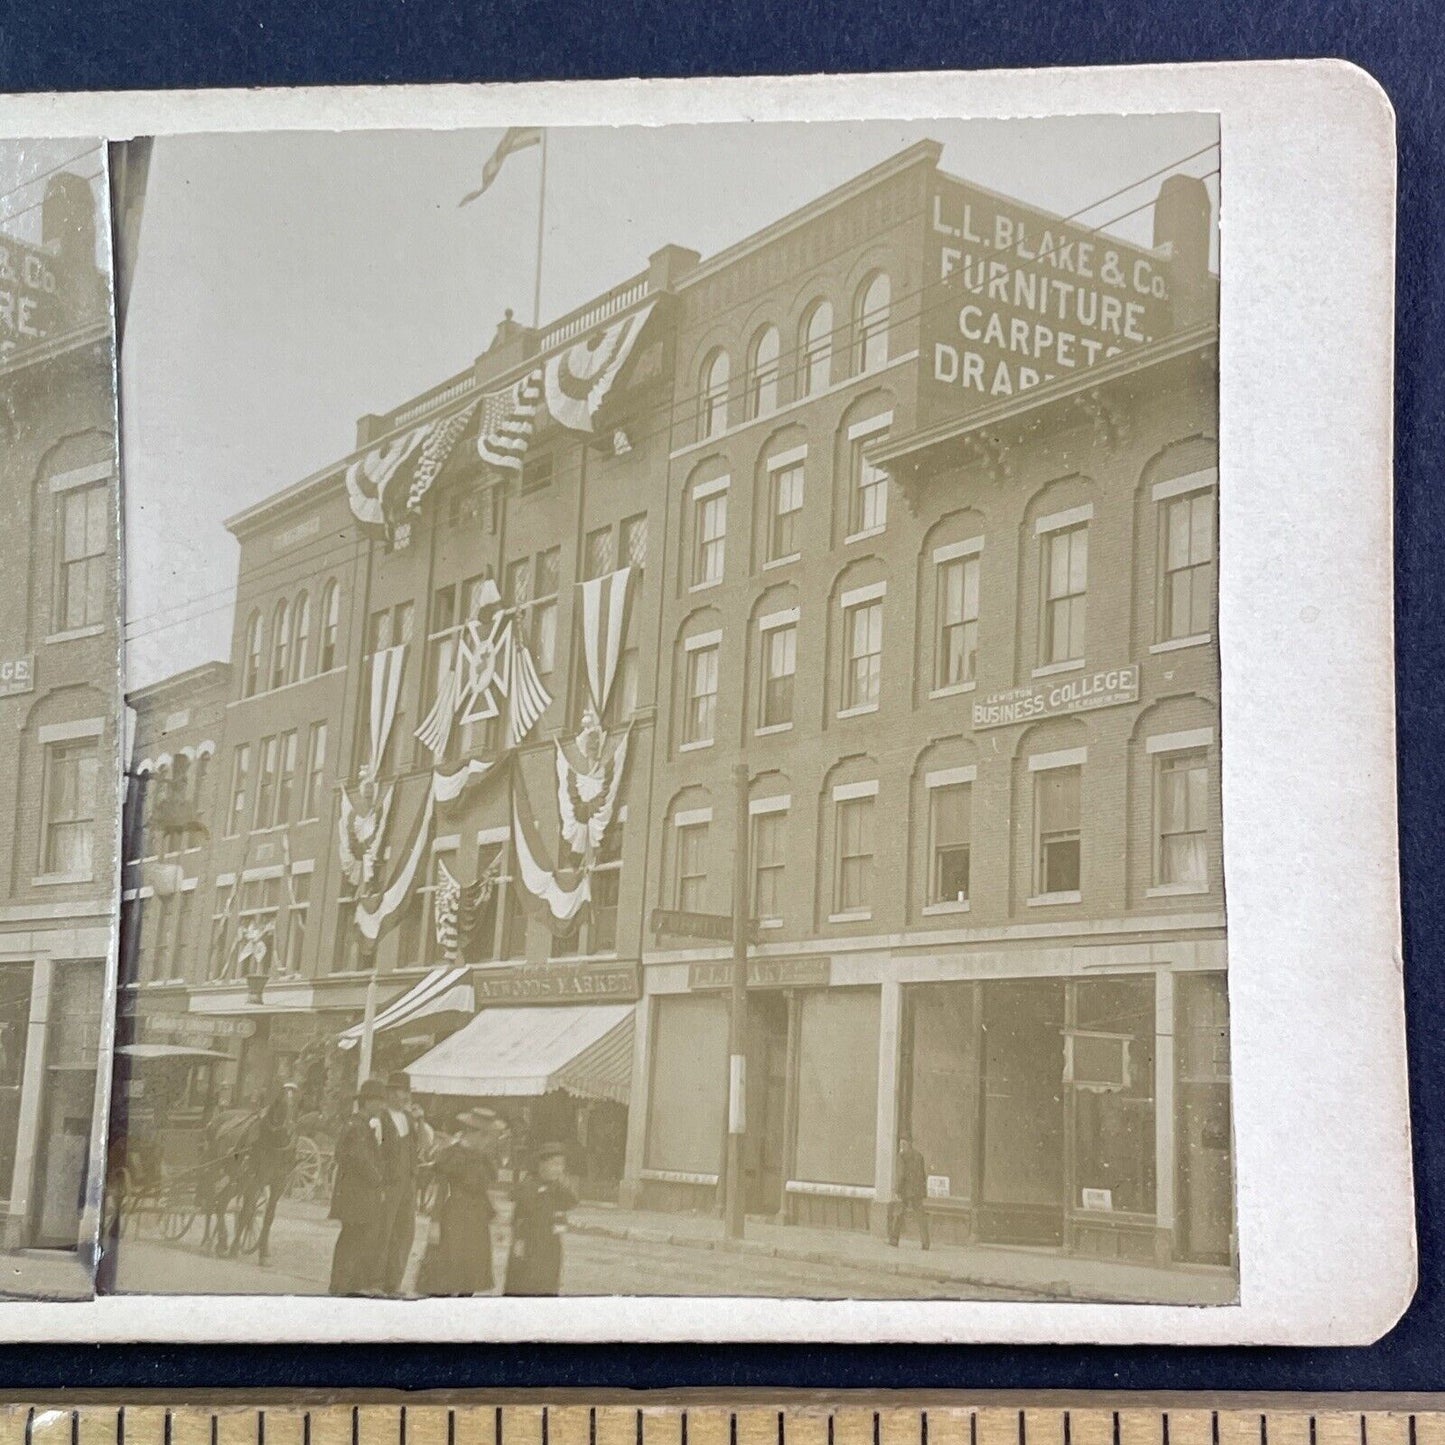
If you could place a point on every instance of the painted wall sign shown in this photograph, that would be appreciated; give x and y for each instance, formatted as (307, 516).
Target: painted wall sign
(763, 973)
(17, 675)
(558, 983)
(297, 533)
(28, 289)
(1076, 692)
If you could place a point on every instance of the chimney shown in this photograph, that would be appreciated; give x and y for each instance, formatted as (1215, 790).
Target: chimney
(68, 230)
(1183, 224)
(668, 266)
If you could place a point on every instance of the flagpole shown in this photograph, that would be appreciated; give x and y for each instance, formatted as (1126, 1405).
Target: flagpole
(541, 213)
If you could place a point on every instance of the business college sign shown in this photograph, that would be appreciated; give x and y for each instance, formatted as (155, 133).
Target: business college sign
(28, 289)
(1019, 297)
(1078, 692)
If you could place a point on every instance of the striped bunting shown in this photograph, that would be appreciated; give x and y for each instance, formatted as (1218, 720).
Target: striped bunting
(528, 698)
(446, 900)
(441, 439)
(443, 989)
(508, 420)
(604, 617)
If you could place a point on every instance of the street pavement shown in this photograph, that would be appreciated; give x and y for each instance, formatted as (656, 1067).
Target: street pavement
(594, 1263)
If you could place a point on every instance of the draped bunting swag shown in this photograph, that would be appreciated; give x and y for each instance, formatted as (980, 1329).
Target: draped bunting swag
(557, 897)
(458, 910)
(587, 796)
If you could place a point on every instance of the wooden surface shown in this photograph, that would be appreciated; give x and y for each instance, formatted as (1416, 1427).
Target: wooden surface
(753, 1418)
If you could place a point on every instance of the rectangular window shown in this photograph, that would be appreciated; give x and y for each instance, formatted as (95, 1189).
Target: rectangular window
(84, 527)
(863, 654)
(957, 622)
(854, 891)
(266, 782)
(769, 831)
(868, 505)
(692, 867)
(240, 785)
(700, 712)
(1183, 783)
(785, 520)
(72, 775)
(1056, 821)
(634, 541)
(315, 771)
(544, 610)
(1188, 574)
(220, 929)
(185, 930)
(601, 555)
(711, 523)
(606, 885)
(298, 911)
(780, 666)
(1066, 583)
(286, 778)
(951, 828)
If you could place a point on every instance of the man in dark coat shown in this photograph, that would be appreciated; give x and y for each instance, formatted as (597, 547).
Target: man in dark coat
(540, 1203)
(398, 1161)
(460, 1261)
(358, 1198)
(910, 1192)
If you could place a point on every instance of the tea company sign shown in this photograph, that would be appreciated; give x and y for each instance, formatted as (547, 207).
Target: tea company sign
(28, 288)
(1078, 692)
(1021, 297)
(17, 675)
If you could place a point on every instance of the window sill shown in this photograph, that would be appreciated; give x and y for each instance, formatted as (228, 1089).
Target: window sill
(864, 535)
(696, 747)
(935, 910)
(74, 634)
(59, 880)
(1050, 668)
(770, 729)
(1053, 900)
(1176, 890)
(1176, 644)
(706, 586)
(787, 561)
(770, 923)
(852, 915)
(954, 689)
(858, 711)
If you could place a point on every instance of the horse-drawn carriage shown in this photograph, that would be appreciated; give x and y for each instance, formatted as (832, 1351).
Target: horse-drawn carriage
(180, 1159)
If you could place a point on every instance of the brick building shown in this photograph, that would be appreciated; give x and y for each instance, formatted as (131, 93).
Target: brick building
(59, 705)
(917, 488)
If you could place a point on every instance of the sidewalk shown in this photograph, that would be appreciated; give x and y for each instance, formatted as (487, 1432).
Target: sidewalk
(44, 1274)
(1043, 1273)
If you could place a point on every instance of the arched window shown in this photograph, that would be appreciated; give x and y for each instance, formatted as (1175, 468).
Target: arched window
(280, 644)
(300, 635)
(815, 350)
(251, 679)
(870, 323)
(714, 390)
(330, 625)
(763, 372)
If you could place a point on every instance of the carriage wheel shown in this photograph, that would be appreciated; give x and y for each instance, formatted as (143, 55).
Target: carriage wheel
(248, 1240)
(304, 1181)
(176, 1220)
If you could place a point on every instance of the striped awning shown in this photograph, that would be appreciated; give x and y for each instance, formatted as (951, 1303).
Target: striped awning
(443, 990)
(524, 1052)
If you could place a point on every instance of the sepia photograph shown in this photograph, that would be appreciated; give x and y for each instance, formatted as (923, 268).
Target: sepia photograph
(60, 703)
(673, 714)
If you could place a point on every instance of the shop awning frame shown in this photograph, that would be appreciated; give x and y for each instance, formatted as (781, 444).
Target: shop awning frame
(443, 990)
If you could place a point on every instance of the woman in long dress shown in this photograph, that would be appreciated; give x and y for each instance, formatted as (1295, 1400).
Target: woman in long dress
(460, 1262)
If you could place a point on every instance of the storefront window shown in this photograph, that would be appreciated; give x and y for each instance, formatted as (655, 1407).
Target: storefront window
(940, 1083)
(1206, 1182)
(688, 1092)
(837, 1086)
(1109, 1057)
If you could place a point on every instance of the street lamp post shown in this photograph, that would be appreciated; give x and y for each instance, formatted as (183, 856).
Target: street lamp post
(737, 1017)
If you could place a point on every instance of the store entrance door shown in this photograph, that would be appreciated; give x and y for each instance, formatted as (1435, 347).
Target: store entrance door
(767, 1053)
(1022, 1127)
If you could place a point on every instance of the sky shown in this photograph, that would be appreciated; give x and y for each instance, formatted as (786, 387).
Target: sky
(287, 283)
(25, 166)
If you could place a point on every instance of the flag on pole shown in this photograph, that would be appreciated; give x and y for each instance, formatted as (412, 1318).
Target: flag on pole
(517, 138)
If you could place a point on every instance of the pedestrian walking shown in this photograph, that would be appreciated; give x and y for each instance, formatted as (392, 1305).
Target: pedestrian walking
(358, 1198)
(540, 1203)
(910, 1192)
(398, 1159)
(460, 1261)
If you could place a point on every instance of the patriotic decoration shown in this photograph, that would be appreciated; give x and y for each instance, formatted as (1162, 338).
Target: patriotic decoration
(442, 438)
(508, 419)
(369, 478)
(517, 138)
(527, 698)
(604, 626)
(555, 896)
(587, 788)
(578, 379)
(386, 674)
(459, 909)
(448, 787)
(446, 899)
(375, 918)
(360, 832)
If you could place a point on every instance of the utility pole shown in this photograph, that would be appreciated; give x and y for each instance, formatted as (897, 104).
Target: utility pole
(737, 1016)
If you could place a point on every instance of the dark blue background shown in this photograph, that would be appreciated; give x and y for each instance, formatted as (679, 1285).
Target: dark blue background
(113, 44)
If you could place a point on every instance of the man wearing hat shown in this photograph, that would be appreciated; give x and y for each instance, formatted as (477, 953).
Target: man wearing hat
(540, 1203)
(398, 1160)
(358, 1197)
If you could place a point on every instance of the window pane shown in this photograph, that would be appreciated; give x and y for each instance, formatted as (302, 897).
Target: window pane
(1058, 794)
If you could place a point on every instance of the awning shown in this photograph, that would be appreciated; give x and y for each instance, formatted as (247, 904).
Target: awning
(443, 990)
(523, 1052)
(169, 1051)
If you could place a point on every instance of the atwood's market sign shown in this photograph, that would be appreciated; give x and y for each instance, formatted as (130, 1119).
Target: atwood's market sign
(1078, 692)
(28, 288)
(1017, 297)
